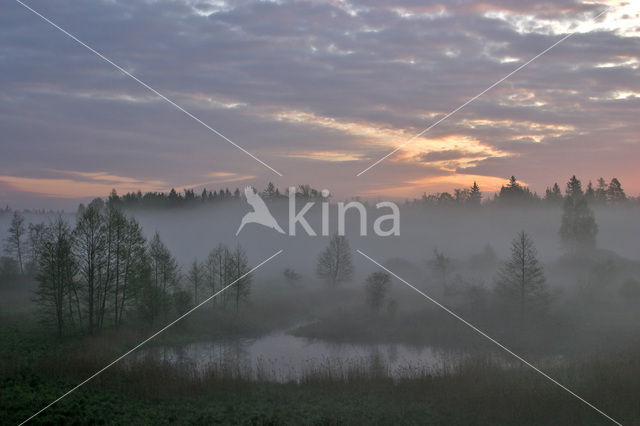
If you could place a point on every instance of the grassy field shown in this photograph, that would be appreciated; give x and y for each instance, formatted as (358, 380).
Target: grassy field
(35, 369)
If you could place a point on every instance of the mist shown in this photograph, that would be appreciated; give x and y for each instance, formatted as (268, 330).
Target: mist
(444, 284)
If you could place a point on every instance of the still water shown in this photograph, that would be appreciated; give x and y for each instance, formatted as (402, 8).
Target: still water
(283, 357)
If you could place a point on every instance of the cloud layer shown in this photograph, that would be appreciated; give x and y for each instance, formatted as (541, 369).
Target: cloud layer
(319, 90)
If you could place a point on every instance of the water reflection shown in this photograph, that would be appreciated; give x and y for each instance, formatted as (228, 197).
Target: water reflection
(283, 357)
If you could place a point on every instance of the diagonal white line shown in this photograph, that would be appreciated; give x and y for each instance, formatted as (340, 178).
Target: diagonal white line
(151, 337)
(476, 96)
(500, 345)
(151, 89)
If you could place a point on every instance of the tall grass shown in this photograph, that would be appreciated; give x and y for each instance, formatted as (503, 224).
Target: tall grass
(480, 389)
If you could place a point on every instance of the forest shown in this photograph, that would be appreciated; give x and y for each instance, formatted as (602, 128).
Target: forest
(321, 335)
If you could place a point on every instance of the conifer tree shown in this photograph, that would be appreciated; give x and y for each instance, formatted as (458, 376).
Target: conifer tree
(475, 195)
(615, 193)
(521, 281)
(574, 187)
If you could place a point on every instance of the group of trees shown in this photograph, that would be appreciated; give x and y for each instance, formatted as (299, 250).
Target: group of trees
(520, 283)
(461, 196)
(173, 198)
(514, 192)
(578, 229)
(222, 268)
(335, 266)
(603, 193)
(88, 276)
(102, 270)
(191, 198)
(20, 244)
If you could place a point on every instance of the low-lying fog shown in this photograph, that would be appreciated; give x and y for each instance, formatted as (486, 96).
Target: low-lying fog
(459, 233)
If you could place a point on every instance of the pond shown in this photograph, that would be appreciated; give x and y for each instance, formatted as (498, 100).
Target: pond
(283, 357)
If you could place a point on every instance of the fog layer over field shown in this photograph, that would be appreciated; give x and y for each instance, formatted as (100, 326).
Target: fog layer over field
(557, 281)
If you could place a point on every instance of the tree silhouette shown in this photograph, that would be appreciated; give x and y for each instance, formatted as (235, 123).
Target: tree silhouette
(590, 193)
(56, 294)
(164, 274)
(270, 191)
(615, 193)
(441, 266)
(14, 244)
(553, 194)
(574, 187)
(376, 288)
(196, 278)
(521, 280)
(215, 268)
(135, 268)
(334, 263)
(461, 196)
(90, 249)
(578, 228)
(513, 192)
(475, 195)
(238, 266)
(601, 191)
(35, 238)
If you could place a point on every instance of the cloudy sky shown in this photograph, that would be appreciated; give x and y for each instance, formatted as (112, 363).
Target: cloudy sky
(318, 91)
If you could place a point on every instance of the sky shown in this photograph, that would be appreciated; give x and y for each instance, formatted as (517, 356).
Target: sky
(317, 90)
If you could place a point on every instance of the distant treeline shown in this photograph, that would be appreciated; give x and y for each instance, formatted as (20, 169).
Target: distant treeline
(513, 192)
(189, 197)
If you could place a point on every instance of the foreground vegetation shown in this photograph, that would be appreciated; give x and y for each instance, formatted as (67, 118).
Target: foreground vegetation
(36, 369)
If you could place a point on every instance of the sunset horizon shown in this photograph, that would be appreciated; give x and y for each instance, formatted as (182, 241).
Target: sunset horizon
(320, 107)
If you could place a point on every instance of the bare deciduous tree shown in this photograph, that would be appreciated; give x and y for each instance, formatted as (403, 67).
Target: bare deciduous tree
(196, 278)
(238, 266)
(14, 244)
(215, 275)
(334, 263)
(57, 293)
(90, 248)
(164, 274)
